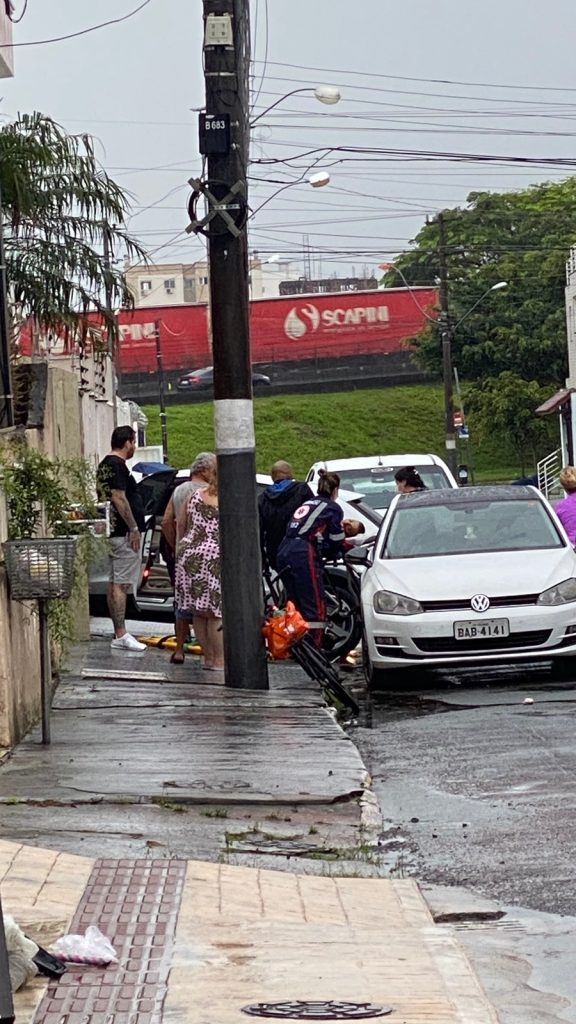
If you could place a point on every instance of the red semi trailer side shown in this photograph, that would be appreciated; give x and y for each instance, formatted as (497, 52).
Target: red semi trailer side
(282, 329)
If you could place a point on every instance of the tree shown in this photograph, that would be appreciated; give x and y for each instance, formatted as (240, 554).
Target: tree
(523, 238)
(61, 211)
(505, 407)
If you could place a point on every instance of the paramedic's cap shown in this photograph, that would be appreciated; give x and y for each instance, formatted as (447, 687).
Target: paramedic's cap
(204, 461)
(281, 471)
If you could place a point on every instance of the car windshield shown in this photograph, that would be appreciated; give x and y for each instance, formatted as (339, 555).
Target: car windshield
(378, 486)
(465, 527)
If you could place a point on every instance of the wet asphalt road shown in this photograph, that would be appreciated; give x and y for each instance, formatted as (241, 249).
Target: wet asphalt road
(478, 788)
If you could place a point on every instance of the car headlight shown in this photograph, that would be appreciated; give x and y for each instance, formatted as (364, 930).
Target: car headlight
(562, 593)
(388, 603)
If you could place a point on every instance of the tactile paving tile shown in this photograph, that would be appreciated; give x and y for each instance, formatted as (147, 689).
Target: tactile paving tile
(135, 904)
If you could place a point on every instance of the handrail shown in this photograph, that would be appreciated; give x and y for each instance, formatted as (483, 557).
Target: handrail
(548, 470)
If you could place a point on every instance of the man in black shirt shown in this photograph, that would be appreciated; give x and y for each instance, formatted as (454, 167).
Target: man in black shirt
(276, 506)
(117, 485)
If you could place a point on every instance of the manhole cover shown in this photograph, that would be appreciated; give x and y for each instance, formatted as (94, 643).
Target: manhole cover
(311, 1010)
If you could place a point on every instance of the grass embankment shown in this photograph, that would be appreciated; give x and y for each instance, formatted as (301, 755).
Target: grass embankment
(306, 428)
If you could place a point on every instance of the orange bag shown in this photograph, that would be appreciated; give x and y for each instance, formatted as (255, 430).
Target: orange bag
(284, 627)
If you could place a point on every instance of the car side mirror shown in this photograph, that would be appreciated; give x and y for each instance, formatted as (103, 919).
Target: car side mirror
(463, 475)
(359, 556)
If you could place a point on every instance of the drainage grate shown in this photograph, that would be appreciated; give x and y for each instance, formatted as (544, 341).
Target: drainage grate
(312, 1010)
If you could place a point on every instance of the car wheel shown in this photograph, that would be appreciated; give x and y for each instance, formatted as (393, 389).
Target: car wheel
(377, 678)
(564, 669)
(343, 629)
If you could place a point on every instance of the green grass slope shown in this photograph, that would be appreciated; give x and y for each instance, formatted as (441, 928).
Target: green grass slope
(305, 428)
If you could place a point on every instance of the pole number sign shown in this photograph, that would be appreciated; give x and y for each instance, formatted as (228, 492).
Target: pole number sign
(214, 134)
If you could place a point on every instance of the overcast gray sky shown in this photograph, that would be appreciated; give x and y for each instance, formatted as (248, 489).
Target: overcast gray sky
(132, 85)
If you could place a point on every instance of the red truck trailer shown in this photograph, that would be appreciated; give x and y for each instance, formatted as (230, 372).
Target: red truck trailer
(283, 330)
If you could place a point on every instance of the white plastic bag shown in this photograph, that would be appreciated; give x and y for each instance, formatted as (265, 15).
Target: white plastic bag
(92, 948)
(21, 952)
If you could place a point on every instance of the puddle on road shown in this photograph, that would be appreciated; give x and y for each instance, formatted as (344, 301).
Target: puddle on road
(437, 692)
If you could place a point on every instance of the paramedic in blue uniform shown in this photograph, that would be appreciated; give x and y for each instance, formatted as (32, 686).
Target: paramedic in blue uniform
(315, 531)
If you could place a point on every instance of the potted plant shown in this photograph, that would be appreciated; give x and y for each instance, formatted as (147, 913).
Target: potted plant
(51, 506)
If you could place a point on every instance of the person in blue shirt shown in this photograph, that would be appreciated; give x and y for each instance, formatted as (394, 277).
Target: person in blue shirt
(315, 531)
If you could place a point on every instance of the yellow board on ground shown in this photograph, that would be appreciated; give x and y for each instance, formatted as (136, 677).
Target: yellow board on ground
(168, 643)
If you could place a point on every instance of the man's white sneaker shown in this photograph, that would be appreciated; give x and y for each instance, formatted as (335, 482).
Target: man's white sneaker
(127, 643)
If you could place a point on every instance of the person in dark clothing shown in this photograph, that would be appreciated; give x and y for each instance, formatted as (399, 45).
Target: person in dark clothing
(315, 531)
(116, 484)
(409, 480)
(276, 506)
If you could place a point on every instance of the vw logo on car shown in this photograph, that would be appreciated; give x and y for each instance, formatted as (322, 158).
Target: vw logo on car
(480, 603)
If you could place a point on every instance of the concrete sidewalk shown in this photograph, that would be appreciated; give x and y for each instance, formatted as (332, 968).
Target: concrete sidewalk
(150, 759)
(199, 941)
(151, 774)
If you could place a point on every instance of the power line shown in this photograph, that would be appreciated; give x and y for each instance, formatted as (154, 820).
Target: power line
(433, 81)
(81, 32)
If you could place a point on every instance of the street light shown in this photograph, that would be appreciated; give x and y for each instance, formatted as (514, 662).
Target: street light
(495, 288)
(447, 329)
(327, 94)
(317, 180)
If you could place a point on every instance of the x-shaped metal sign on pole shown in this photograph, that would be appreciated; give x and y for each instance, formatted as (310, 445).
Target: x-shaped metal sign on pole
(218, 207)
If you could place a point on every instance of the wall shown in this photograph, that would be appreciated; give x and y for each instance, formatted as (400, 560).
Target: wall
(156, 277)
(58, 433)
(6, 50)
(19, 658)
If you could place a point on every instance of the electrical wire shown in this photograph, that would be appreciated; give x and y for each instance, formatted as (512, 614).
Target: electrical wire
(433, 81)
(16, 21)
(81, 32)
(266, 44)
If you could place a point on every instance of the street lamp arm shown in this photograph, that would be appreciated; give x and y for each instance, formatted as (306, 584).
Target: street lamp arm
(432, 319)
(477, 303)
(328, 94)
(277, 103)
(289, 184)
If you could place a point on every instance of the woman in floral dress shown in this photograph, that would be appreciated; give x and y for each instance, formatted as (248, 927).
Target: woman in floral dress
(198, 593)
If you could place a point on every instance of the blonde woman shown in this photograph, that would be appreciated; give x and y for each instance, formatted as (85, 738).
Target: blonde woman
(198, 592)
(566, 509)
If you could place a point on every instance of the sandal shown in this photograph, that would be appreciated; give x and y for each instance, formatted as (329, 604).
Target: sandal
(176, 658)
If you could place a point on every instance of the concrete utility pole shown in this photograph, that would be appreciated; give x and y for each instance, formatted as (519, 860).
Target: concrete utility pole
(226, 64)
(161, 390)
(446, 336)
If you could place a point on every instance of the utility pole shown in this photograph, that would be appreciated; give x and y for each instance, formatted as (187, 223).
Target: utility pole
(161, 393)
(446, 336)
(226, 65)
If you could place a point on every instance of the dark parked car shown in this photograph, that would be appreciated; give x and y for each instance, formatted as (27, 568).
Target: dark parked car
(203, 380)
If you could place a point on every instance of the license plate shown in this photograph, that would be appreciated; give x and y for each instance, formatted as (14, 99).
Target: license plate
(481, 629)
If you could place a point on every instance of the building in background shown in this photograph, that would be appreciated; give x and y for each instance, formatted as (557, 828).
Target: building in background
(168, 284)
(6, 50)
(180, 284)
(326, 285)
(563, 402)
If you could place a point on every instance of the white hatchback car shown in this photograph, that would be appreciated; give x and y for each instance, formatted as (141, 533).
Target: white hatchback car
(373, 475)
(467, 577)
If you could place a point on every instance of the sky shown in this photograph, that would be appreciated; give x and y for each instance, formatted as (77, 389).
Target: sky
(490, 78)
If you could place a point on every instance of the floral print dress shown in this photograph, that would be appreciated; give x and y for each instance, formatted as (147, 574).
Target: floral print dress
(198, 561)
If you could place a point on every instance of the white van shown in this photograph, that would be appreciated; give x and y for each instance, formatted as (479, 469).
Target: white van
(372, 476)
